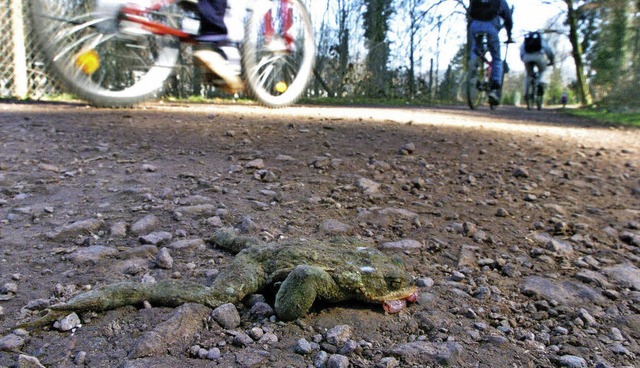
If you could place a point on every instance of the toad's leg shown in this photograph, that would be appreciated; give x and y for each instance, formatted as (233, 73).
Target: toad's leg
(301, 288)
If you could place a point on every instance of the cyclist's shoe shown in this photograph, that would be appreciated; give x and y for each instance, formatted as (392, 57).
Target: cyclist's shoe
(494, 97)
(494, 93)
(223, 61)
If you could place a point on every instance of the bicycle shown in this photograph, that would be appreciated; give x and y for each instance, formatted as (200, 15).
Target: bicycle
(479, 77)
(117, 53)
(536, 91)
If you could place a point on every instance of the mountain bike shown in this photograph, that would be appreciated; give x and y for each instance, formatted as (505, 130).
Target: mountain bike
(479, 76)
(121, 52)
(536, 91)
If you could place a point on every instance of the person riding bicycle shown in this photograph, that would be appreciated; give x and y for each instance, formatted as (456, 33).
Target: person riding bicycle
(487, 16)
(535, 50)
(219, 38)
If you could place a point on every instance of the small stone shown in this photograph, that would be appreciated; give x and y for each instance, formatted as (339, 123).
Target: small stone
(226, 316)
(388, 362)
(156, 238)
(256, 333)
(268, 338)
(425, 282)
(27, 361)
(242, 339)
(457, 276)
(303, 347)
(348, 347)
(213, 354)
(164, 259)
(255, 164)
(320, 360)
(118, 230)
(521, 172)
(572, 361)
(261, 310)
(11, 342)
(80, 358)
(618, 348)
(69, 322)
(145, 225)
(502, 212)
(338, 335)
(407, 148)
(338, 361)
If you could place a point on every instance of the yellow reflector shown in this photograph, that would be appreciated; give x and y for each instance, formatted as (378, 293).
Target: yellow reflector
(88, 61)
(281, 87)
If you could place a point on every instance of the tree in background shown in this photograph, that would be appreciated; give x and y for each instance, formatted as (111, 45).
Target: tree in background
(376, 24)
(573, 16)
(608, 54)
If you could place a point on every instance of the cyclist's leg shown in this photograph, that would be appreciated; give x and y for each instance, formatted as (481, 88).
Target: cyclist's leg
(528, 65)
(473, 53)
(221, 32)
(493, 41)
(542, 66)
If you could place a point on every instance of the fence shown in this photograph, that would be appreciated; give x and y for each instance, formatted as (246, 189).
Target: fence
(22, 72)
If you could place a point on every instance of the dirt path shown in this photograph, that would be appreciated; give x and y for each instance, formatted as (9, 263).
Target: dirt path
(521, 228)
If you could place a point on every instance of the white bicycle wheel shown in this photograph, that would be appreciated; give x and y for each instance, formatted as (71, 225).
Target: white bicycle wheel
(101, 60)
(278, 53)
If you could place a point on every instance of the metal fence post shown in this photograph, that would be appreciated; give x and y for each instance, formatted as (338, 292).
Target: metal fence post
(20, 85)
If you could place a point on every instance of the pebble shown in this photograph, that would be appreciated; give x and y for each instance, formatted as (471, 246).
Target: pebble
(68, 323)
(303, 347)
(145, 225)
(226, 316)
(156, 238)
(338, 361)
(27, 361)
(338, 335)
(213, 354)
(572, 361)
(11, 342)
(242, 339)
(164, 259)
(320, 359)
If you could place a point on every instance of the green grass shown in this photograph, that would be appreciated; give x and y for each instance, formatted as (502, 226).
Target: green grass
(626, 118)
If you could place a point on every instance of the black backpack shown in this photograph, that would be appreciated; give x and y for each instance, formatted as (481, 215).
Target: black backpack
(484, 9)
(532, 42)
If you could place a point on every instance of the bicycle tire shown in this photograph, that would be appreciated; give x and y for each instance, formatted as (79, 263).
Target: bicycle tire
(131, 67)
(278, 52)
(475, 77)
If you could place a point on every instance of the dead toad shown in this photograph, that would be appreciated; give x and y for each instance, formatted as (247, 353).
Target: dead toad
(337, 271)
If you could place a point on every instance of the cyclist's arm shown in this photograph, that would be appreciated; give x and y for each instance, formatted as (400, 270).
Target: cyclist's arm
(548, 51)
(505, 14)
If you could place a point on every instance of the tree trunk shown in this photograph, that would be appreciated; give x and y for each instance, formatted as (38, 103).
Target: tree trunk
(572, 21)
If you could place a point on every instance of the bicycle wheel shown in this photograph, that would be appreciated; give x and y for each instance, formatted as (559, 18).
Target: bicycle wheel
(475, 82)
(278, 53)
(99, 58)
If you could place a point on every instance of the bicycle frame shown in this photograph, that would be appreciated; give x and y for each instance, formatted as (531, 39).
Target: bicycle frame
(136, 14)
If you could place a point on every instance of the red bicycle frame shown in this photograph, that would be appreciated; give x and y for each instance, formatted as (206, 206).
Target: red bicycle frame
(136, 14)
